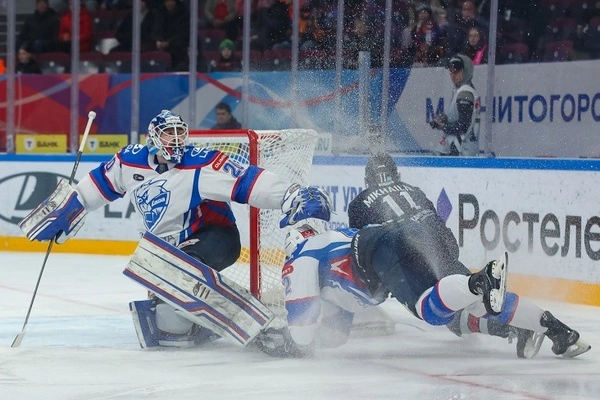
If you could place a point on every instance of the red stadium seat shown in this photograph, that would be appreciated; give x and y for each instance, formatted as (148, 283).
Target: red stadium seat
(54, 63)
(278, 60)
(552, 9)
(559, 51)
(91, 63)
(211, 38)
(561, 29)
(117, 63)
(155, 61)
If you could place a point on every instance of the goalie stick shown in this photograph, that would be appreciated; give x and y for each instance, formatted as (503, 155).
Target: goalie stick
(86, 132)
(196, 291)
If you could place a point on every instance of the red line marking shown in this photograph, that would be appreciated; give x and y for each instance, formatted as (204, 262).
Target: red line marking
(454, 379)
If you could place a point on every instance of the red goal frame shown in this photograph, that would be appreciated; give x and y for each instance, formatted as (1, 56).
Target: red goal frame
(254, 225)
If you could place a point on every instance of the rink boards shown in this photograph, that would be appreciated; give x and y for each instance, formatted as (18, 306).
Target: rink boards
(544, 212)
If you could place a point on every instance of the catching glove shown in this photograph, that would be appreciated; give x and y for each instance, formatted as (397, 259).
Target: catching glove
(58, 217)
(302, 202)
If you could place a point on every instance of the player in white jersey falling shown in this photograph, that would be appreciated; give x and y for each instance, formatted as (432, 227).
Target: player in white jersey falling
(182, 194)
(330, 276)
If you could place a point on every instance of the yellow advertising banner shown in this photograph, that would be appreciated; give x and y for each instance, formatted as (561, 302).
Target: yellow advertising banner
(104, 144)
(40, 144)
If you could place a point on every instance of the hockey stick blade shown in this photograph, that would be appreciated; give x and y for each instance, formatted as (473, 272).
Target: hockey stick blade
(18, 339)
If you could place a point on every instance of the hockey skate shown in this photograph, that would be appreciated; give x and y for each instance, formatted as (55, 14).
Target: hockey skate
(144, 321)
(491, 283)
(566, 341)
(528, 341)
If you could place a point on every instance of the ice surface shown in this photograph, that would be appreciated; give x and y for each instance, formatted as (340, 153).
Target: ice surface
(80, 344)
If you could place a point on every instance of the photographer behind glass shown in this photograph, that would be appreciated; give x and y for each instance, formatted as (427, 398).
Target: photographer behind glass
(461, 122)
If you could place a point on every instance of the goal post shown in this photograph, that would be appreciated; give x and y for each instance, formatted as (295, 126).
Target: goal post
(286, 152)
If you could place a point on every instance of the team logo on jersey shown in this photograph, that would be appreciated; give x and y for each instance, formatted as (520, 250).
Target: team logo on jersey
(152, 201)
(341, 267)
(133, 148)
(199, 152)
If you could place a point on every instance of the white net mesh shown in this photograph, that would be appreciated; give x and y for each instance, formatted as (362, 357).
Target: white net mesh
(289, 154)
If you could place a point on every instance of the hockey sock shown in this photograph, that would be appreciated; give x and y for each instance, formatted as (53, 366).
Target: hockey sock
(438, 304)
(525, 314)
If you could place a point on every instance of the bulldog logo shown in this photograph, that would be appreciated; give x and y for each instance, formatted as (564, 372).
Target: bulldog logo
(152, 201)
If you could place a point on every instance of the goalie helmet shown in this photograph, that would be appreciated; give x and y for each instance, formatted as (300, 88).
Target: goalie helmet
(167, 136)
(381, 170)
(296, 236)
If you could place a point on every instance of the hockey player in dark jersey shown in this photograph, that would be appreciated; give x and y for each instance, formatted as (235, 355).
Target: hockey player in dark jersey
(328, 277)
(387, 198)
(403, 248)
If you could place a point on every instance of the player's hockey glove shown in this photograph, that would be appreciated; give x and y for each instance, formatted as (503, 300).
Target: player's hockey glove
(278, 343)
(439, 121)
(304, 202)
(59, 217)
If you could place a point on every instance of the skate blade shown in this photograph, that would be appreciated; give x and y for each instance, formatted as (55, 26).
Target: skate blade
(576, 349)
(533, 345)
(499, 271)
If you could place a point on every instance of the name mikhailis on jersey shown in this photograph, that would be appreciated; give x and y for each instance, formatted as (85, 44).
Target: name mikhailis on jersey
(375, 194)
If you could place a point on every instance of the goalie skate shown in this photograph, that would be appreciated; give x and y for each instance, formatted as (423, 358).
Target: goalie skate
(143, 313)
(491, 283)
(199, 293)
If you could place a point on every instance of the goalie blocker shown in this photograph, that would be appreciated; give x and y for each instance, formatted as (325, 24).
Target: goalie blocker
(59, 217)
(197, 292)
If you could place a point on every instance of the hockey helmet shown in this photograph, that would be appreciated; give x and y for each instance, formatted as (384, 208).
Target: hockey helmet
(167, 136)
(381, 170)
(297, 236)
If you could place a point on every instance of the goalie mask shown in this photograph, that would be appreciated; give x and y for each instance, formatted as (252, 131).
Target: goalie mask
(297, 236)
(167, 136)
(381, 170)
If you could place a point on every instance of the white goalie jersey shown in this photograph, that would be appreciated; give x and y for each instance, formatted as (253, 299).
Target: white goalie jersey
(174, 200)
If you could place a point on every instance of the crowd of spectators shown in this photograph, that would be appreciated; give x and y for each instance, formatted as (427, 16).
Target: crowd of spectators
(423, 33)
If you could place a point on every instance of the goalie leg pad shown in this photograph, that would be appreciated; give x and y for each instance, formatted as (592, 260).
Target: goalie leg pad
(198, 292)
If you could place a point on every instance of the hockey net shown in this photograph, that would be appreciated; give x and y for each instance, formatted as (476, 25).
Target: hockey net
(288, 153)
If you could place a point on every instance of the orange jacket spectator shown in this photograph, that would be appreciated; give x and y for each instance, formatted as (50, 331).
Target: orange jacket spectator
(86, 36)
